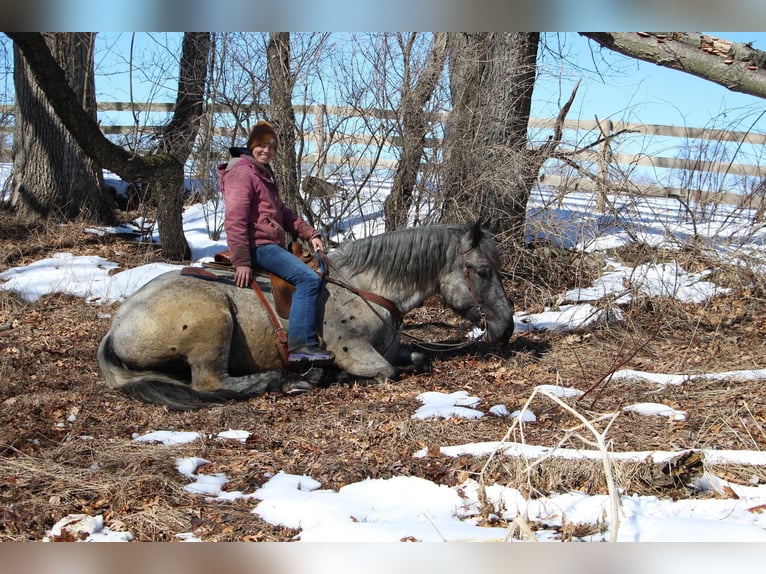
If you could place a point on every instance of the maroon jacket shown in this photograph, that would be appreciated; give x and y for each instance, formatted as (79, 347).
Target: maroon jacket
(255, 214)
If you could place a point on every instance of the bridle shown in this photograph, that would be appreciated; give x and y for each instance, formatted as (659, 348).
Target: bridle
(367, 296)
(370, 297)
(467, 277)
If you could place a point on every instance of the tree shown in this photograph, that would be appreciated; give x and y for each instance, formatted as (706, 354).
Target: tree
(163, 170)
(736, 66)
(488, 168)
(416, 90)
(281, 84)
(177, 140)
(52, 175)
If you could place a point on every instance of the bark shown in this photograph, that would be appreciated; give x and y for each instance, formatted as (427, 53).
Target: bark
(281, 83)
(52, 176)
(414, 128)
(163, 170)
(489, 171)
(736, 66)
(177, 141)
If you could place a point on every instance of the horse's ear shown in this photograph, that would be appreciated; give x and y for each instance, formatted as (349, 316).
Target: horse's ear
(476, 233)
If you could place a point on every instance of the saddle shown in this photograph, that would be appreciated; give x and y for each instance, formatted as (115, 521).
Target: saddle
(281, 290)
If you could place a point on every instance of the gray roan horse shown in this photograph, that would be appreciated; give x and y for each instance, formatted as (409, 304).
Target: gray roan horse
(184, 342)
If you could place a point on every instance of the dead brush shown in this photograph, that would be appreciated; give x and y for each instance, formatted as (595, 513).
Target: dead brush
(539, 272)
(597, 427)
(11, 308)
(134, 487)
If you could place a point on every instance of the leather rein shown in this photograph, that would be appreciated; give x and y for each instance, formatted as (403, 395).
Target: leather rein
(390, 306)
(367, 296)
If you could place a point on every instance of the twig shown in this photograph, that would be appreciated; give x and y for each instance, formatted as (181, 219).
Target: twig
(600, 443)
(614, 496)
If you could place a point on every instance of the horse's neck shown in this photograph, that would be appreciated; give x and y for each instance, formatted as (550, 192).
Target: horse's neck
(405, 299)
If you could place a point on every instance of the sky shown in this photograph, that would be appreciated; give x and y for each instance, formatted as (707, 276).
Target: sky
(410, 508)
(374, 15)
(612, 86)
(625, 89)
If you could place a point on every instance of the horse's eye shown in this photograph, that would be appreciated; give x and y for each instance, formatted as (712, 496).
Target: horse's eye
(484, 273)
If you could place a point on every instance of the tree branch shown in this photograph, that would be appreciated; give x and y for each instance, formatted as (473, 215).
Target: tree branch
(737, 66)
(52, 80)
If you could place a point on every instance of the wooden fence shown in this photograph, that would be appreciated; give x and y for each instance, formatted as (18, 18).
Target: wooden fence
(596, 156)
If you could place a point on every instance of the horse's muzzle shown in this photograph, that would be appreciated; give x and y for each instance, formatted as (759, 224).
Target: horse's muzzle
(491, 336)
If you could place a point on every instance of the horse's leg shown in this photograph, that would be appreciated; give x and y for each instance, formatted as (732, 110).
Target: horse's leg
(209, 363)
(409, 360)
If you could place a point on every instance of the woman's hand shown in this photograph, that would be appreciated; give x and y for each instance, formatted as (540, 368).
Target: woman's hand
(243, 276)
(317, 244)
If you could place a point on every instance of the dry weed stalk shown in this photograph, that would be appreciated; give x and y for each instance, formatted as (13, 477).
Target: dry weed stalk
(599, 443)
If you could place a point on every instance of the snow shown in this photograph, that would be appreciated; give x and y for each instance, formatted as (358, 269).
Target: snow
(406, 508)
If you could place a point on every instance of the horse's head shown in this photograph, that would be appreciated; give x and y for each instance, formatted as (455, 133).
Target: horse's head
(473, 286)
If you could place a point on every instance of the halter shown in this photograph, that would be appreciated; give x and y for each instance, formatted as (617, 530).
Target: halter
(467, 278)
(476, 305)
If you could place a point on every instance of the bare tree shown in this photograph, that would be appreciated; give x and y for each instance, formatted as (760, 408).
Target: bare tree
(7, 97)
(164, 170)
(347, 142)
(241, 82)
(281, 84)
(489, 170)
(52, 175)
(416, 90)
(177, 140)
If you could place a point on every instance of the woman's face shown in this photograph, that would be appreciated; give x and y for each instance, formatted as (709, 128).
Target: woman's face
(264, 153)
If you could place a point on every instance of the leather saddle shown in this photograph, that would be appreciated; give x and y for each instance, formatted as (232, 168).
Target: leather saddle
(281, 290)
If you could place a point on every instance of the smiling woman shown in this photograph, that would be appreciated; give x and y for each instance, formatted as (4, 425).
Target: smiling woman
(257, 223)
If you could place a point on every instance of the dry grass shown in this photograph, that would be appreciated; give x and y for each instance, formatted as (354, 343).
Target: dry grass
(65, 440)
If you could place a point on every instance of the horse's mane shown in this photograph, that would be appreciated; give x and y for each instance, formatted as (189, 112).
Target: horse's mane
(412, 256)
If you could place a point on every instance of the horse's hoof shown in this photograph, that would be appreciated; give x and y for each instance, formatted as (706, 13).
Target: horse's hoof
(296, 387)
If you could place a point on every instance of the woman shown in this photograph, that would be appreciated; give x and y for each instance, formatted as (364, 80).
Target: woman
(256, 225)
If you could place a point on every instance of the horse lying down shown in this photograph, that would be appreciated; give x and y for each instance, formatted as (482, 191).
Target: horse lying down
(183, 342)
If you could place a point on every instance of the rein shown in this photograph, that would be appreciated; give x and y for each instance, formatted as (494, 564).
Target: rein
(201, 273)
(390, 306)
(275, 324)
(367, 296)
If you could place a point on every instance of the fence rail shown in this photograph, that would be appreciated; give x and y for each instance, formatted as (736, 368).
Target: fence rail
(594, 155)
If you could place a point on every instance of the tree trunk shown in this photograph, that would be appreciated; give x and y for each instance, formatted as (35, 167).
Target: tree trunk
(488, 169)
(736, 66)
(177, 142)
(281, 83)
(414, 128)
(164, 171)
(52, 176)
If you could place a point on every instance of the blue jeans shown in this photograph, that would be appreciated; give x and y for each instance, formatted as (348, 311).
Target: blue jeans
(303, 311)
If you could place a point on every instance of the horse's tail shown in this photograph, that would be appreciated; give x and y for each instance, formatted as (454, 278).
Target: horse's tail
(151, 386)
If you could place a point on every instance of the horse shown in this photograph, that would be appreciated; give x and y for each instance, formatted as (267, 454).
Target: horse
(183, 342)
